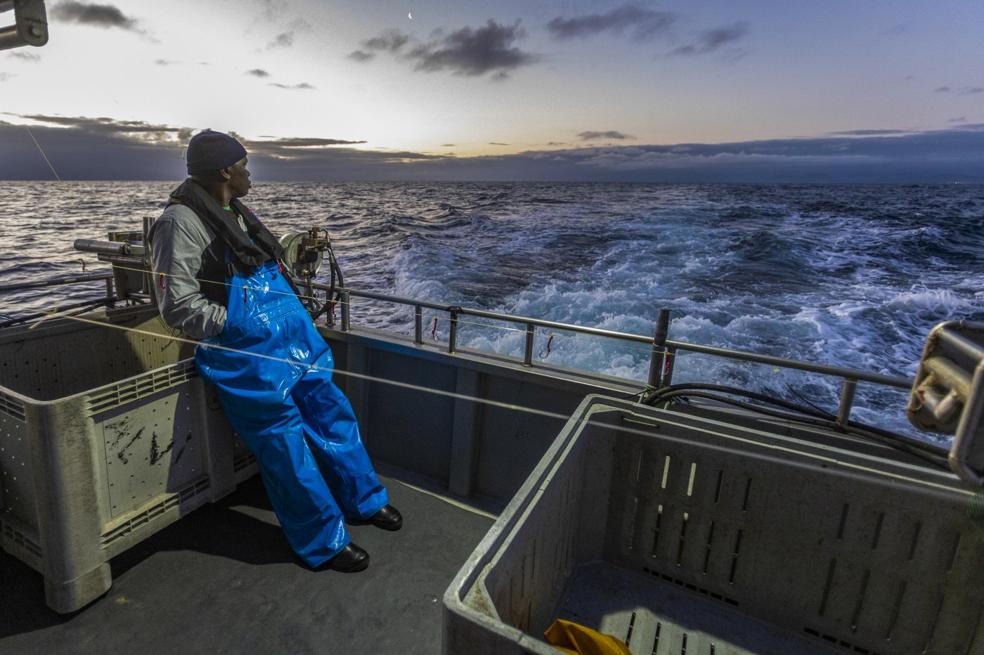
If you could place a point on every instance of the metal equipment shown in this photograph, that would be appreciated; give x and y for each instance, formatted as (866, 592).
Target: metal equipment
(30, 24)
(126, 251)
(304, 254)
(948, 394)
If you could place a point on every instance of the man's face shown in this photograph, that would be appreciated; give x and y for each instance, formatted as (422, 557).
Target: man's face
(239, 178)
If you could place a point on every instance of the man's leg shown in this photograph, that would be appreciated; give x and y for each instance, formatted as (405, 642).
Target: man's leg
(333, 434)
(274, 431)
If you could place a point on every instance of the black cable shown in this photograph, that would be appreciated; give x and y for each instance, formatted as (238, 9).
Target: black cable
(818, 413)
(81, 306)
(926, 452)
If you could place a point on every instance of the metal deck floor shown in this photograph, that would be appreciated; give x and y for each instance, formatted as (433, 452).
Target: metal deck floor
(224, 580)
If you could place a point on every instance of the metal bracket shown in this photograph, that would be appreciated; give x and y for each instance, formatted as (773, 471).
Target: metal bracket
(948, 394)
(30, 24)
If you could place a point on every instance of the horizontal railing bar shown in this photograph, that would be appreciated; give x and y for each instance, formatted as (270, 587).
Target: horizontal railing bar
(824, 369)
(71, 279)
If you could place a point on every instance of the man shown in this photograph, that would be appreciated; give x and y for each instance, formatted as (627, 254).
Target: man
(220, 282)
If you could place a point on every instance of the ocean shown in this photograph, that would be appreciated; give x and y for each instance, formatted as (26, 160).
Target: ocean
(836, 274)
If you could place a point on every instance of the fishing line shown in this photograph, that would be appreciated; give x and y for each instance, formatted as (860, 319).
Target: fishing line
(538, 412)
(41, 150)
(350, 303)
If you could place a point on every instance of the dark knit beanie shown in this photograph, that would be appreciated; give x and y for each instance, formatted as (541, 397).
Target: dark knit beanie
(210, 151)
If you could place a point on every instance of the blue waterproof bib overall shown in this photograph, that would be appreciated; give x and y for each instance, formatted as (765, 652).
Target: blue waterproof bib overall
(294, 419)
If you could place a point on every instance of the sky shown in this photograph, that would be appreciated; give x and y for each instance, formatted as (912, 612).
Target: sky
(759, 90)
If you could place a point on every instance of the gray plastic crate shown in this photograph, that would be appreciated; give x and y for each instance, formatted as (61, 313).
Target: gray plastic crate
(106, 436)
(687, 535)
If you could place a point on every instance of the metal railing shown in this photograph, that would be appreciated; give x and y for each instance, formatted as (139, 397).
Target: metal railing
(663, 350)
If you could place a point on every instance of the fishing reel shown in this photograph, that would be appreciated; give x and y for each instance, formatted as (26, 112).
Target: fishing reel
(304, 254)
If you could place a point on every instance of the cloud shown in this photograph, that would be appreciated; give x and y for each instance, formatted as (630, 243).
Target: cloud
(957, 119)
(447, 145)
(388, 41)
(971, 90)
(6, 76)
(25, 56)
(361, 56)
(282, 40)
(496, 143)
(870, 132)
(105, 16)
(609, 134)
(641, 23)
(304, 142)
(105, 125)
(165, 62)
(474, 52)
(301, 86)
(257, 72)
(146, 151)
(715, 39)
(942, 89)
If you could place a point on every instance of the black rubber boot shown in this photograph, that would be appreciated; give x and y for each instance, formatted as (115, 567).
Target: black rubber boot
(350, 560)
(388, 518)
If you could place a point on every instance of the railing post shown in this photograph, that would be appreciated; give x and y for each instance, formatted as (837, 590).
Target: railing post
(846, 401)
(346, 317)
(109, 288)
(418, 324)
(453, 333)
(528, 354)
(658, 355)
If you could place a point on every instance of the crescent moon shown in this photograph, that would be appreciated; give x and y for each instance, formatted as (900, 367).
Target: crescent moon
(410, 15)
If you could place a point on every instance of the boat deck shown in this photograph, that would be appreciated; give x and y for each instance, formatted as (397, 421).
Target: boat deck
(224, 580)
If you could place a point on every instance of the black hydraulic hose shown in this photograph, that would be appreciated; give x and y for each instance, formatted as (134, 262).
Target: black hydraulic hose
(333, 295)
(81, 306)
(659, 394)
(927, 452)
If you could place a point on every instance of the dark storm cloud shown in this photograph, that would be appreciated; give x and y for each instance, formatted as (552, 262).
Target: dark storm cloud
(474, 52)
(282, 40)
(608, 134)
(298, 87)
(641, 23)
(714, 39)
(25, 56)
(105, 125)
(104, 148)
(91, 14)
(257, 72)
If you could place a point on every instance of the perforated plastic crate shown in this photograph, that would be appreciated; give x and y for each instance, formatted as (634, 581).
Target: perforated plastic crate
(106, 436)
(685, 535)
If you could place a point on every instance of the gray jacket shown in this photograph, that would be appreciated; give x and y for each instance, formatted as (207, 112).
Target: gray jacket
(177, 241)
